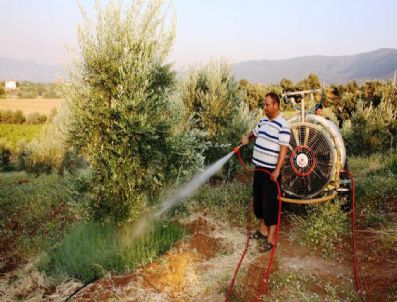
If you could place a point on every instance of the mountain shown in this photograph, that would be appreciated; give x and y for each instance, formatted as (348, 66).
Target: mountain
(379, 64)
(11, 69)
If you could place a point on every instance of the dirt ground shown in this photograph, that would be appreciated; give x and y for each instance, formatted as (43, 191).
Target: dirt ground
(200, 268)
(31, 105)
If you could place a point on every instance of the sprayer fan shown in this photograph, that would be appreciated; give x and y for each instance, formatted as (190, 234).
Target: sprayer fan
(309, 163)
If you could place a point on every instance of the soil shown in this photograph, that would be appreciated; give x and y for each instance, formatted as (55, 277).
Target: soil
(201, 266)
(377, 267)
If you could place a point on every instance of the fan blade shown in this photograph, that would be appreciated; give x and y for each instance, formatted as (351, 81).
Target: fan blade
(307, 131)
(296, 137)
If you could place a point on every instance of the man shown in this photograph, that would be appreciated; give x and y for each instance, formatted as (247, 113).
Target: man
(272, 139)
(318, 109)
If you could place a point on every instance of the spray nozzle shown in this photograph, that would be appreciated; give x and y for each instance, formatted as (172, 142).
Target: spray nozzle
(237, 149)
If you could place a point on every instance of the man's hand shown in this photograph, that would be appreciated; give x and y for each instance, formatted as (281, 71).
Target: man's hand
(244, 140)
(275, 175)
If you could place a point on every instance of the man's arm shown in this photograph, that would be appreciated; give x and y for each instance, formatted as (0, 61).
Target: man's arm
(247, 137)
(280, 162)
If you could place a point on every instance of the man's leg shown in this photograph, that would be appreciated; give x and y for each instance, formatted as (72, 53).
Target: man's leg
(272, 232)
(263, 227)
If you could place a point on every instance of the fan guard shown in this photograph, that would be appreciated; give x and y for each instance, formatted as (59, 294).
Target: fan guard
(309, 164)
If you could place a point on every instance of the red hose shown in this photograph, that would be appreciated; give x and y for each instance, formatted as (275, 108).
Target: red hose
(265, 279)
(357, 279)
(264, 282)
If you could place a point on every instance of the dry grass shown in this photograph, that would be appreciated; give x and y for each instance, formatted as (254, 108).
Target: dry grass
(31, 105)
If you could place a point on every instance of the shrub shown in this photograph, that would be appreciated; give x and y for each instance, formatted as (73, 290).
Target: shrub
(393, 164)
(18, 117)
(372, 129)
(3, 93)
(36, 118)
(5, 154)
(6, 117)
(48, 153)
(214, 105)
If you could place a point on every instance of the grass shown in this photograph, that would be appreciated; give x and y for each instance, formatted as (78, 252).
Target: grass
(226, 200)
(323, 227)
(295, 287)
(13, 133)
(33, 210)
(90, 250)
(375, 181)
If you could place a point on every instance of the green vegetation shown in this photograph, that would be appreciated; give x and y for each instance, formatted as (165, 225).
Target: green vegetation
(120, 95)
(33, 211)
(5, 152)
(323, 227)
(30, 90)
(17, 117)
(141, 130)
(215, 107)
(375, 181)
(14, 133)
(293, 286)
(90, 250)
(226, 200)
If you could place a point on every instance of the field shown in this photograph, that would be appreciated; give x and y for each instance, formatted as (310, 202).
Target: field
(309, 266)
(31, 105)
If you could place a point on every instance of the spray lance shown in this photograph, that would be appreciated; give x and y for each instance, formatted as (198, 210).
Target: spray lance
(237, 149)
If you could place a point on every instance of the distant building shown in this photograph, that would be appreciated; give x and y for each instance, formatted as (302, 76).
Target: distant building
(11, 85)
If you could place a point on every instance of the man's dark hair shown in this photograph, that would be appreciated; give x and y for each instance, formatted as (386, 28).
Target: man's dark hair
(318, 106)
(274, 97)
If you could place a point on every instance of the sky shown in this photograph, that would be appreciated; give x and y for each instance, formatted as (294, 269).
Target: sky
(232, 30)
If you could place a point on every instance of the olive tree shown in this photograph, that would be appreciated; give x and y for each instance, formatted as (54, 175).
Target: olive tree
(215, 106)
(122, 119)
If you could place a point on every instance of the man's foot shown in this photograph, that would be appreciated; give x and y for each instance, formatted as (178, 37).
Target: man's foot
(267, 246)
(258, 236)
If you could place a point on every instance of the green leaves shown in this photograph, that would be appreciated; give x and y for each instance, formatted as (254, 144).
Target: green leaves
(123, 120)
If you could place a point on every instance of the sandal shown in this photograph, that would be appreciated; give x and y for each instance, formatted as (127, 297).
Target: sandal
(268, 246)
(258, 236)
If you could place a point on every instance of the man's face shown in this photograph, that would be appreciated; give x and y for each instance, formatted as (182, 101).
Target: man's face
(319, 111)
(270, 107)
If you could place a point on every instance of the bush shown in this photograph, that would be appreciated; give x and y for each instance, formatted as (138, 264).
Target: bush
(36, 118)
(17, 117)
(214, 105)
(393, 164)
(6, 117)
(372, 129)
(3, 93)
(5, 154)
(48, 154)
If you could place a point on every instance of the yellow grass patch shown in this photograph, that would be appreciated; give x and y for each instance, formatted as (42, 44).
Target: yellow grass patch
(31, 105)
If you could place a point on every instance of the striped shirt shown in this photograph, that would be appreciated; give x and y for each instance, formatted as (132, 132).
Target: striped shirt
(270, 134)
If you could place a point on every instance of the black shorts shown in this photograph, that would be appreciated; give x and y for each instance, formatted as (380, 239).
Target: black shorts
(265, 194)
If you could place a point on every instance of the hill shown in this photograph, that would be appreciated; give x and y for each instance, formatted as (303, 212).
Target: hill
(379, 64)
(11, 69)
